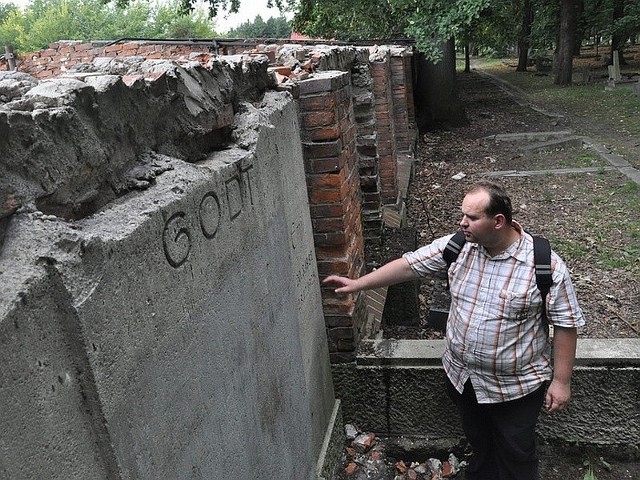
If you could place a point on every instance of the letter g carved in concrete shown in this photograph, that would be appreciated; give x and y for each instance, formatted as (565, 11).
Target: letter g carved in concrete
(176, 239)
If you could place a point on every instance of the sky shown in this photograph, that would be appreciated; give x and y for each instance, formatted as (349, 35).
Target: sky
(224, 21)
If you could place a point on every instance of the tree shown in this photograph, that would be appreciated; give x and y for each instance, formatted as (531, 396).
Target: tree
(564, 51)
(6, 9)
(625, 21)
(47, 21)
(524, 36)
(273, 28)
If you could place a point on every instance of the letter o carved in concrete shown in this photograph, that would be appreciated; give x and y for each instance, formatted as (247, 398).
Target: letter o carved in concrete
(176, 239)
(209, 215)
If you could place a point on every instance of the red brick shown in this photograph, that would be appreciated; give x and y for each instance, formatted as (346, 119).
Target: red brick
(325, 180)
(322, 196)
(325, 134)
(337, 266)
(318, 119)
(350, 469)
(113, 48)
(326, 211)
(325, 225)
(317, 102)
(323, 165)
(330, 239)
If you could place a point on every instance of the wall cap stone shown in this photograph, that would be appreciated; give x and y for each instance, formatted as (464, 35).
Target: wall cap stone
(590, 352)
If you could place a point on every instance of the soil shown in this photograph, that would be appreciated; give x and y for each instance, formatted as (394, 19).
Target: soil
(584, 215)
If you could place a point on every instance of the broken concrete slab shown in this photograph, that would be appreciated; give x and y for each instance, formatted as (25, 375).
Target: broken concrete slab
(529, 136)
(95, 132)
(556, 144)
(554, 171)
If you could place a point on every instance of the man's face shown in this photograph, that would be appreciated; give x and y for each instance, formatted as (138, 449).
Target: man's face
(478, 227)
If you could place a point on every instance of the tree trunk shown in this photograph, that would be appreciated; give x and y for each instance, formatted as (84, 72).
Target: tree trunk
(467, 58)
(564, 54)
(580, 32)
(436, 96)
(524, 40)
(618, 39)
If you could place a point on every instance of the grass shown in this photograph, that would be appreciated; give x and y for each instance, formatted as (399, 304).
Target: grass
(571, 158)
(611, 215)
(616, 110)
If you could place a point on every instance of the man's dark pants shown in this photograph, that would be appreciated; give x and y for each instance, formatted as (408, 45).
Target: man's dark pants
(502, 435)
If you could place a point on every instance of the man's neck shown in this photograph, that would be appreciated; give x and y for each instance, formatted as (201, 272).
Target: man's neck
(510, 236)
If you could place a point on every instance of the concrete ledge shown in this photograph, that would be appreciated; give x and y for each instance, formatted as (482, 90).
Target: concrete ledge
(392, 352)
(529, 136)
(555, 171)
(396, 388)
(590, 352)
(329, 458)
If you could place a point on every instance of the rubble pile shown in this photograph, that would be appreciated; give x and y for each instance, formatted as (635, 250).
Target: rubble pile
(365, 458)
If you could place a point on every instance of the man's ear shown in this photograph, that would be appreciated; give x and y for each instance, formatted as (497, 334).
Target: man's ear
(501, 221)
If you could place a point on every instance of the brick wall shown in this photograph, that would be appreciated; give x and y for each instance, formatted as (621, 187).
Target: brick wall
(367, 147)
(403, 107)
(62, 56)
(385, 125)
(333, 183)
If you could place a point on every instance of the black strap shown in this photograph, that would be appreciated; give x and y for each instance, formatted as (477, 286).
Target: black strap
(544, 279)
(541, 258)
(453, 248)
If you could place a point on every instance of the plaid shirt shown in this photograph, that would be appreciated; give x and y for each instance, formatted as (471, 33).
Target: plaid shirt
(495, 333)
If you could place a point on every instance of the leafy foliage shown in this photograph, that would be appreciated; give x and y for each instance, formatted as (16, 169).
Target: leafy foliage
(6, 9)
(47, 21)
(429, 22)
(273, 28)
(348, 20)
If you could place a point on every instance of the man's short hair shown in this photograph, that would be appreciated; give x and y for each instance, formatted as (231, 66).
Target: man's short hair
(499, 201)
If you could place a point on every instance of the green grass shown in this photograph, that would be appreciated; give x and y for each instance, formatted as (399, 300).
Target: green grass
(608, 226)
(572, 158)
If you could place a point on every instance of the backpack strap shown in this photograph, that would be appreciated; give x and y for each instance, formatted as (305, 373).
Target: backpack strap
(453, 248)
(542, 259)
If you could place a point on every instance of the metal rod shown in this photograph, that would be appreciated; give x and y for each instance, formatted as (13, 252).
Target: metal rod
(8, 55)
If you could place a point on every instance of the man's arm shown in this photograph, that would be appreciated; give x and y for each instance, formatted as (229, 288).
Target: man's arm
(397, 271)
(564, 354)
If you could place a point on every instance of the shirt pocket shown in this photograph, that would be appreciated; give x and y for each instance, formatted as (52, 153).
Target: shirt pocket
(515, 306)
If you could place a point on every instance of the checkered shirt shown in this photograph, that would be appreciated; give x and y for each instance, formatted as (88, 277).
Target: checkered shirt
(495, 333)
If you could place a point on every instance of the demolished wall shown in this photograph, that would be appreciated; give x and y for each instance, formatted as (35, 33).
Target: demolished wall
(378, 85)
(160, 315)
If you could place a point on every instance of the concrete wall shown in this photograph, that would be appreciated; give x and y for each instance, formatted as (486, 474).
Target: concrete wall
(396, 387)
(160, 315)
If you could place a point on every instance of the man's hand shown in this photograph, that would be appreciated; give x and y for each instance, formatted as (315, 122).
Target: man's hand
(344, 284)
(397, 271)
(558, 395)
(564, 354)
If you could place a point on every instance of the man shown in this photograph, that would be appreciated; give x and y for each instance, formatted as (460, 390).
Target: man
(497, 357)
